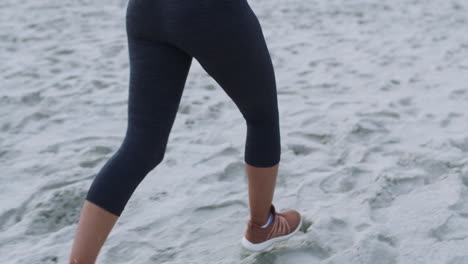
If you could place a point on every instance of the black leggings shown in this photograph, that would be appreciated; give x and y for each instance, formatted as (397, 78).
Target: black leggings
(226, 38)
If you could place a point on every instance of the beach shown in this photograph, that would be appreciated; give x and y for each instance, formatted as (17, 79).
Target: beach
(373, 101)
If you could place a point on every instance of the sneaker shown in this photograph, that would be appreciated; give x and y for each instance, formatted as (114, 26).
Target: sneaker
(283, 226)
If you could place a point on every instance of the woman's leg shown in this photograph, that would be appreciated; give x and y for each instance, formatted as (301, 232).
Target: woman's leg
(93, 228)
(158, 72)
(262, 183)
(226, 38)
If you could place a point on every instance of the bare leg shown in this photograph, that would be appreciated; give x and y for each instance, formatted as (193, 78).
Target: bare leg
(93, 228)
(262, 183)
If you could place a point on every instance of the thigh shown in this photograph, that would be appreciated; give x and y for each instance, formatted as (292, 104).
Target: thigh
(158, 72)
(228, 42)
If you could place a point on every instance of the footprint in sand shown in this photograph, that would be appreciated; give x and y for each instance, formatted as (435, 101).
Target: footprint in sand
(286, 252)
(374, 248)
(458, 260)
(392, 188)
(461, 206)
(54, 210)
(365, 129)
(49, 207)
(233, 171)
(455, 227)
(127, 251)
(450, 118)
(301, 149)
(344, 180)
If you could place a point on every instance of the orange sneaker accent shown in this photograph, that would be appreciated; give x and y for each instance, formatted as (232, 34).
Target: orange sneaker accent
(283, 226)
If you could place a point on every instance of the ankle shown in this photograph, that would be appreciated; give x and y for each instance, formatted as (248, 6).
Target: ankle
(270, 220)
(265, 222)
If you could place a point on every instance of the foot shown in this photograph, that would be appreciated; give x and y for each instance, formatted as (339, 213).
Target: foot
(284, 226)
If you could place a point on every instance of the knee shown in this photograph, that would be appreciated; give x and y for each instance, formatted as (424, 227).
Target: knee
(151, 159)
(262, 111)
(263, 143)
(262, 121)
(145, 155)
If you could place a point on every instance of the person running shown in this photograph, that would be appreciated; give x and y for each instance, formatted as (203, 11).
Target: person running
(226, 38)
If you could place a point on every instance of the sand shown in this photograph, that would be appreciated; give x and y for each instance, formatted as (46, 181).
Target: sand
(372, 97)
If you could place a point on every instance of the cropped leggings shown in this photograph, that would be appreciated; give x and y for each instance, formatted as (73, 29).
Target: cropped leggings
(226, 38)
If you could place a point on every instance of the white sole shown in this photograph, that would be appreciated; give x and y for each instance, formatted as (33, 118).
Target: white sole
(262, 246)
